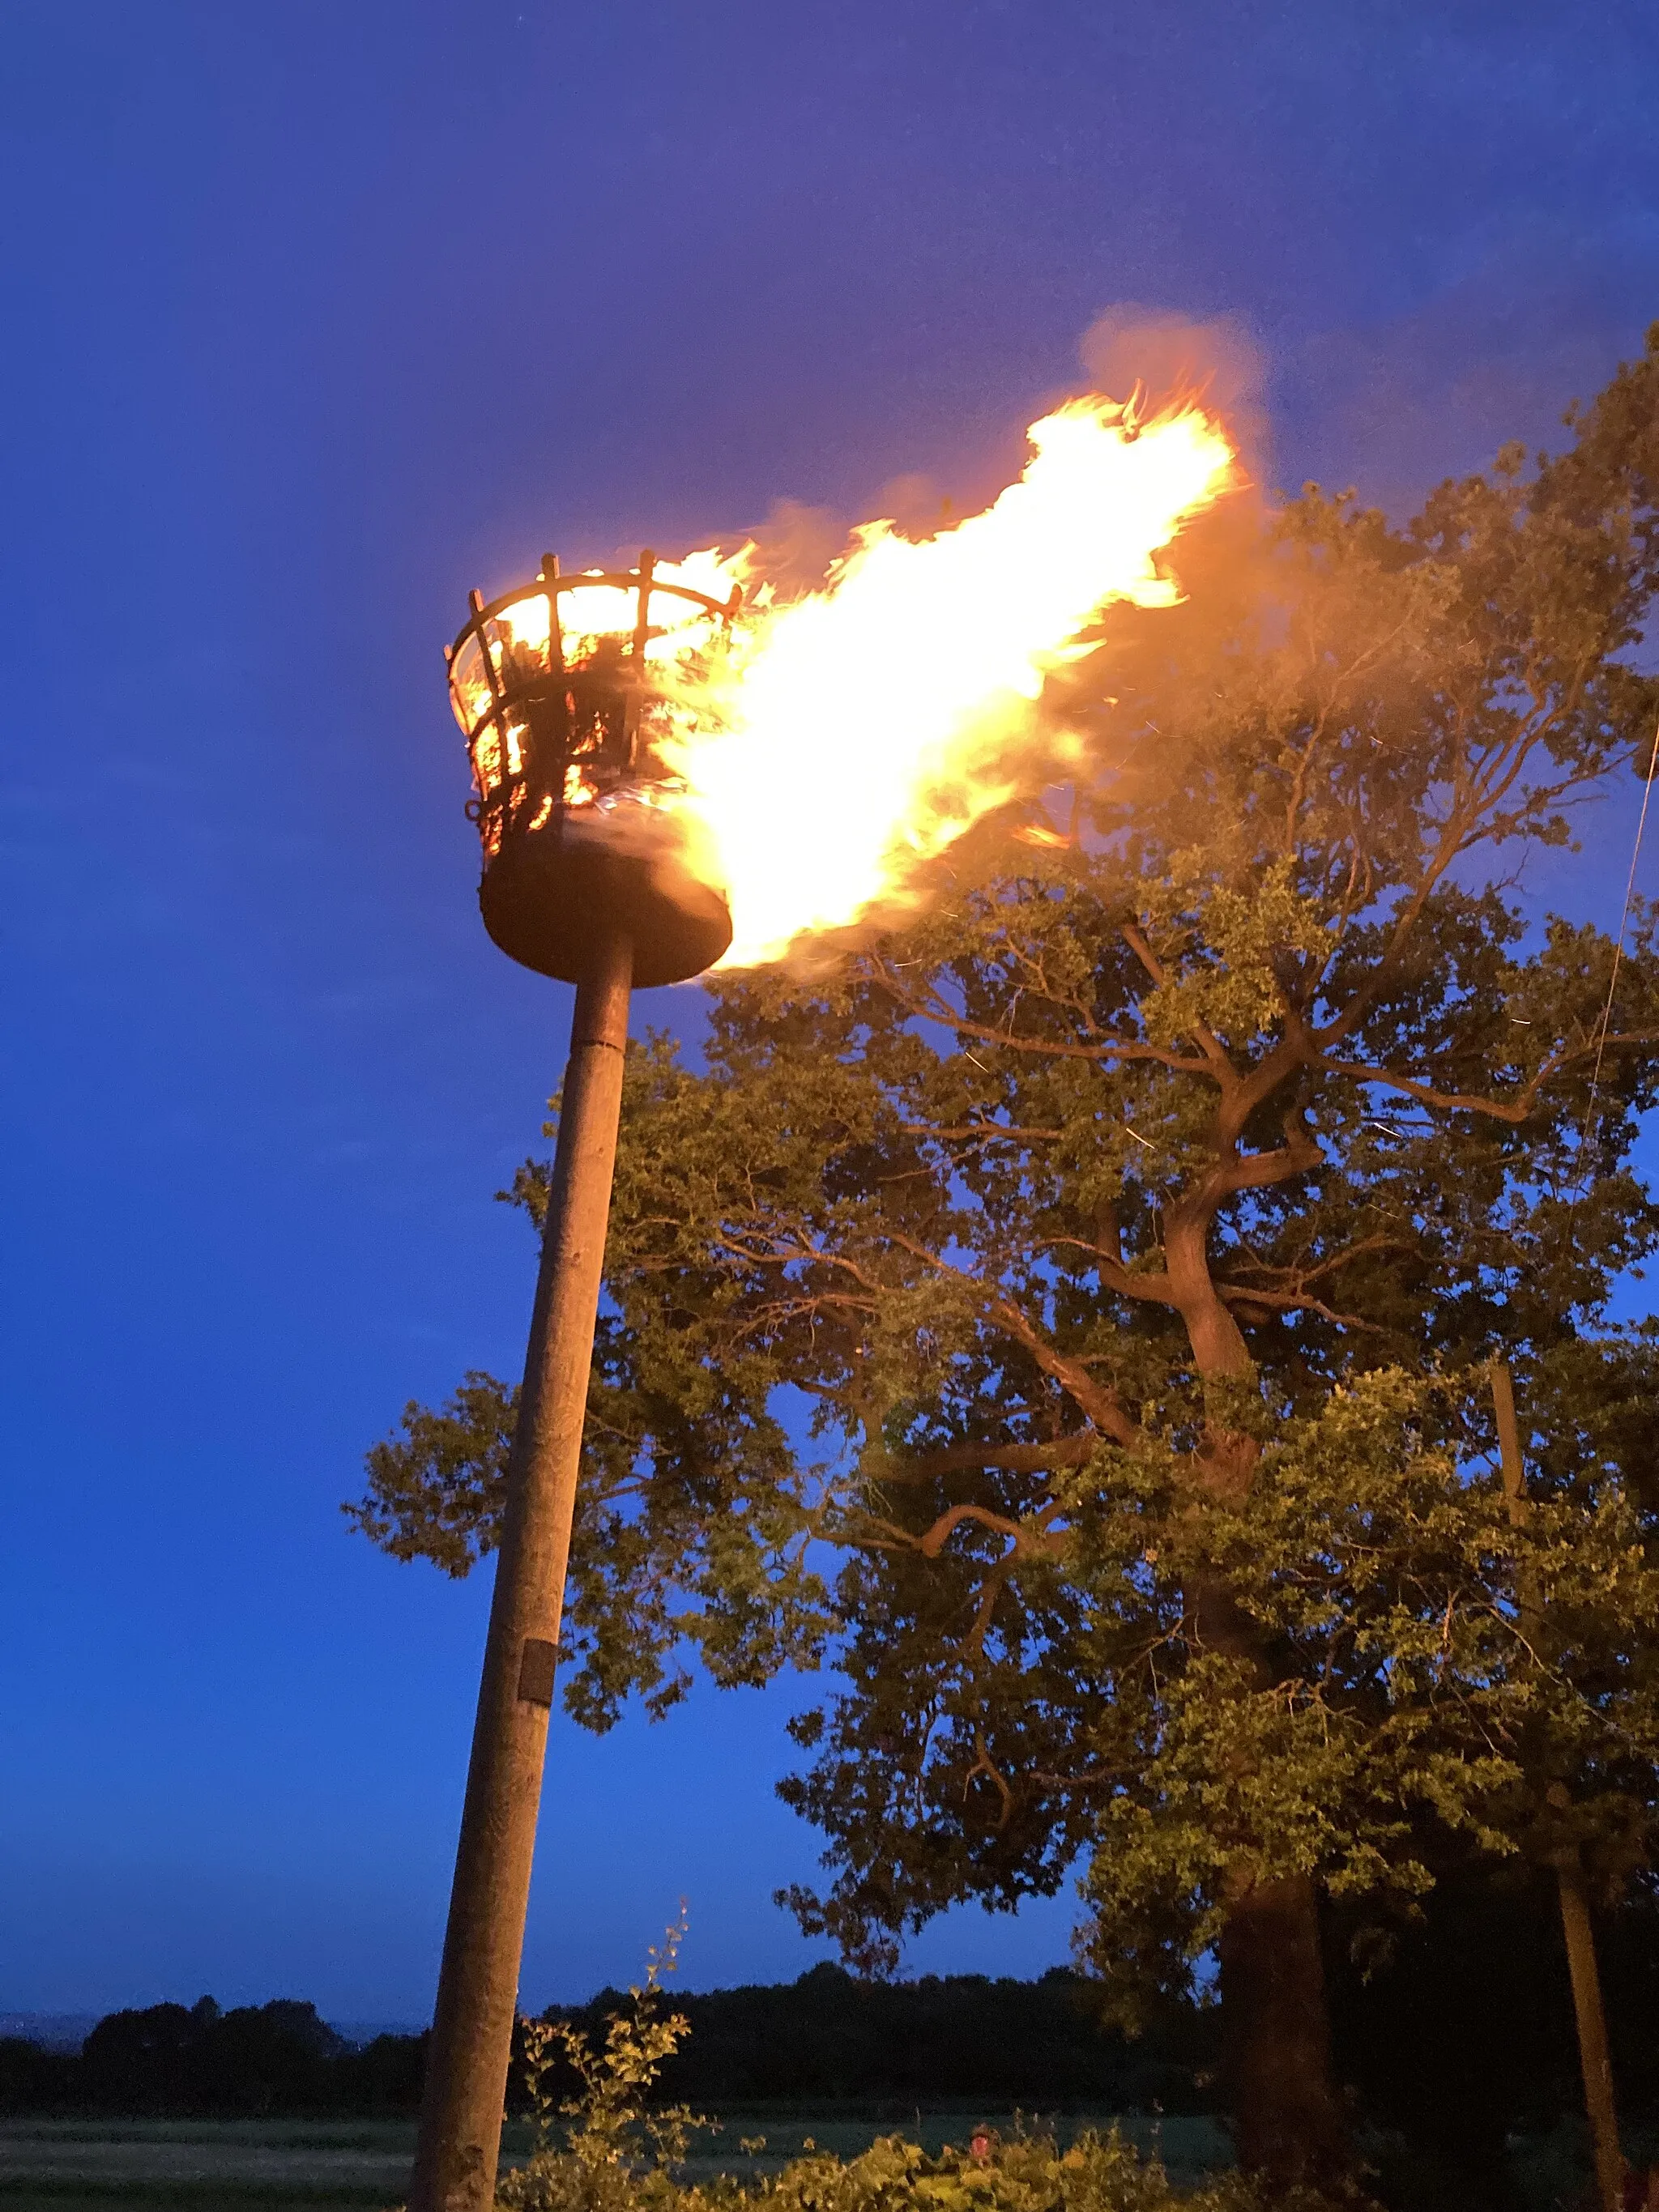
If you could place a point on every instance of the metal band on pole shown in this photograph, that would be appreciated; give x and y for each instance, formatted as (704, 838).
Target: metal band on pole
(478, 1984)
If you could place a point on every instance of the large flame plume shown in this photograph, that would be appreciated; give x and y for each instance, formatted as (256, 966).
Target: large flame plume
(819, 755)
(858, 732)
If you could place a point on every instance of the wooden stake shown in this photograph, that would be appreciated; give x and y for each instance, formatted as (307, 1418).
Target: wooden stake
(1593, 2057)
(1589, 2013)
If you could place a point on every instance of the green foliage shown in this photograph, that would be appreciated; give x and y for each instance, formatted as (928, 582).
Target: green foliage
(614, 2149)
(615, 2152)
(437, 1493)
(1030, 2173)
(1410, 1708)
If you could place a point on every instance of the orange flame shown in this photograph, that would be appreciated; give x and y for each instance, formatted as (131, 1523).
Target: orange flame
(859, 730)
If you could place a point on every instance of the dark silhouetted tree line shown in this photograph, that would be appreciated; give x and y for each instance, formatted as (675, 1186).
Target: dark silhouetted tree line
(1459, 2036)
(177, 2060)
(829, 2036)
(826, 2036)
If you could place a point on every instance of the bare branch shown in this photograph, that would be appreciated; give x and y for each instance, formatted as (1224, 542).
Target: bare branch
(939, 1010)
(1297, 1277)
(1513, 1110)
(983, 1764)
(1011, 1459)
(981, 1131)
(1241, 1294)
(1153, 1289)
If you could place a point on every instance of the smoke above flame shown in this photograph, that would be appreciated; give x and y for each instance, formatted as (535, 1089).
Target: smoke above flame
(855, 734)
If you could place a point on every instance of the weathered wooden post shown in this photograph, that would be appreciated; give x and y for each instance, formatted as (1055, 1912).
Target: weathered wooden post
(1594, 2059)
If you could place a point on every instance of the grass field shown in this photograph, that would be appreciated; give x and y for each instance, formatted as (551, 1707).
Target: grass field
(76, 2166)
(285, 2166)
(184, 2165)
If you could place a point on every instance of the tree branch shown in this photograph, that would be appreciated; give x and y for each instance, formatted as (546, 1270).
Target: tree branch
(983, 1764)
(980, 1130)
(1240, 1294)
(1097, 1401)
(1111, 1048)
(1514, 1111)
(1011, 1459)
(1117, 1276)
(1208, 1044)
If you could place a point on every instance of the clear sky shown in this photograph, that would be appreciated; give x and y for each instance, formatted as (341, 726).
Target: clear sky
(315, 315)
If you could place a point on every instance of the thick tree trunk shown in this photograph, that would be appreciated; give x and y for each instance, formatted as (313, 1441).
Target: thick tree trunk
(1287, 2122)
(1289, 2127)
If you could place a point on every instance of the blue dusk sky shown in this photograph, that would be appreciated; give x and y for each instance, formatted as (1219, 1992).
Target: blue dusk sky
(316, 315)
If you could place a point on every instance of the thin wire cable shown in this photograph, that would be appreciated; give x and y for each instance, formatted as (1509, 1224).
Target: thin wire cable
(1618, 956)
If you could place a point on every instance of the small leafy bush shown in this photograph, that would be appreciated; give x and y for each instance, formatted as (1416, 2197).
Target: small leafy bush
(606, 2149)
(1028, 2173)
(615, 2152)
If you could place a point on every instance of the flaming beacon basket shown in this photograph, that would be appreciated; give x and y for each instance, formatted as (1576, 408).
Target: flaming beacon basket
(565, 689)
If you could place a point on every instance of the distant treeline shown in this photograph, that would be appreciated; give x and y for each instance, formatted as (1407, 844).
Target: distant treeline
(178, 2060)
(953, 2038)
(1463, 2028)
(826, 2036)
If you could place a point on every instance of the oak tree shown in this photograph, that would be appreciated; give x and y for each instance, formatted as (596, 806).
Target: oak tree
(1066, 1316)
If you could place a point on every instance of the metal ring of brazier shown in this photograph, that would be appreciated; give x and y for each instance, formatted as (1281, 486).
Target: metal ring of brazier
(562, 703)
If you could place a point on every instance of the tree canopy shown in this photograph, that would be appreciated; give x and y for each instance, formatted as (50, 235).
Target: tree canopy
(1069, 1314)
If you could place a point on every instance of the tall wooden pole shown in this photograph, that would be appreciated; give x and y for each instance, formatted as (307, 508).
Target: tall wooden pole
(1594, 2059)
(471, 2042)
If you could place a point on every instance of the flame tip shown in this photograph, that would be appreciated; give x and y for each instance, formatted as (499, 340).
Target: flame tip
(887, 712)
